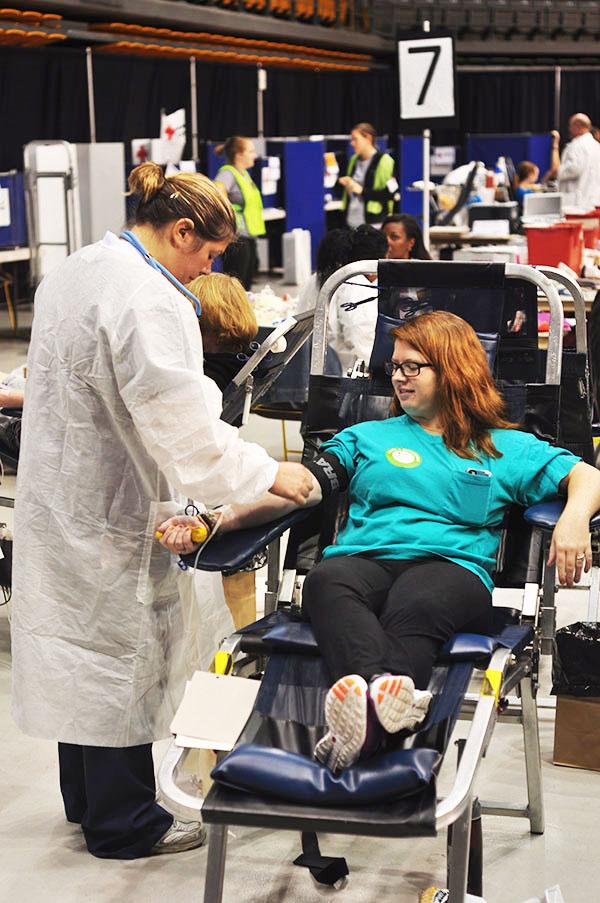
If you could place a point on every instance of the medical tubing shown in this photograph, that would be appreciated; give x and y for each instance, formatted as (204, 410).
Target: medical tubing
(136, 243)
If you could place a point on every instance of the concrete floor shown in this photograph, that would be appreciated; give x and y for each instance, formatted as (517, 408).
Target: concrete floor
(43, 858)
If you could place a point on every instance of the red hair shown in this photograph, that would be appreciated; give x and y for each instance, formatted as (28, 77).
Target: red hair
(469, 403)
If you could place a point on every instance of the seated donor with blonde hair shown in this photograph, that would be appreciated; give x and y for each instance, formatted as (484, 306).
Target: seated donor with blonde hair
(227, 324)
(428, 489)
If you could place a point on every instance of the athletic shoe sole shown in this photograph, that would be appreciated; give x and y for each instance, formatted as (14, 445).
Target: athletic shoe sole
(346, 717)
(392, 697)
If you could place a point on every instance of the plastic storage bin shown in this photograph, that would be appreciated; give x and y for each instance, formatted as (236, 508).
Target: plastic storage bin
(560, 243)
(591, 227)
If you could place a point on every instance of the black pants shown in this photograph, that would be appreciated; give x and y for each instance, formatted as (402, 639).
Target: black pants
(374, 616)
(111, 793)
(240, 260)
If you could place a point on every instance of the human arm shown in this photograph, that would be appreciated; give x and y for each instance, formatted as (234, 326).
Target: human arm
(571, 536)
(554, 156)
(177, 531)
(10, 398)
(350, 185)
(327, 473)
(574, 161)
(225, 181)
(175, 409)
(539, 471)
(385, 172)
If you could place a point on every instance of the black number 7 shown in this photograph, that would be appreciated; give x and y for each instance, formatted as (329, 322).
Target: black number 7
(436, 50)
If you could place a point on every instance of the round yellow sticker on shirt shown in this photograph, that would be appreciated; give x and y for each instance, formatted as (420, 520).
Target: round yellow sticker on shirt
(403, 457)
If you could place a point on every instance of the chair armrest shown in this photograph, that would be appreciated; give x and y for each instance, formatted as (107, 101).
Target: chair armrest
(233, 550)
(544, 515)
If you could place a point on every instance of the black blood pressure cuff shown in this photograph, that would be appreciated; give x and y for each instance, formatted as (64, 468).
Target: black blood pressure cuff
(329, 472)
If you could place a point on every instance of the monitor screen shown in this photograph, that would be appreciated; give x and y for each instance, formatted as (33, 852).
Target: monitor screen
(543, 204)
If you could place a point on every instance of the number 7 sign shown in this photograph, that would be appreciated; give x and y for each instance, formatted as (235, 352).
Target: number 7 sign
(426, 78)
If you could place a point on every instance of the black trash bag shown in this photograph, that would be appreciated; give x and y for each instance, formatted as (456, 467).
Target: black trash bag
(576, 661)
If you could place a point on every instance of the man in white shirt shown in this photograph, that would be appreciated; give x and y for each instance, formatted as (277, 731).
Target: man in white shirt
(578, 171)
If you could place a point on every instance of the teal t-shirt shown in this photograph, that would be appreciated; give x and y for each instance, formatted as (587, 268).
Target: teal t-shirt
(410, 497)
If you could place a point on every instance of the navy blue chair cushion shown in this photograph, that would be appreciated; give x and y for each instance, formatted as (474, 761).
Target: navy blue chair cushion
(463, 647)
(289, 776)
(545, 515)
(295, 636)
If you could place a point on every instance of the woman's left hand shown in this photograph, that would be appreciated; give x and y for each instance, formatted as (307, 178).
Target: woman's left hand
(571, 548)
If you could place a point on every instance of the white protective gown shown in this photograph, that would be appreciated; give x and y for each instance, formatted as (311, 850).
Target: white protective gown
(351, 333)
(579, 173)
(120, 427)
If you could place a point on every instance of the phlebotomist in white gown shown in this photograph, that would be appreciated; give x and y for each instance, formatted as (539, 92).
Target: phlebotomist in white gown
(120, 428)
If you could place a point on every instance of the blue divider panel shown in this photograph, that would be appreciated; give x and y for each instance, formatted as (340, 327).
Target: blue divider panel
(540, 151)
(339, 147)
(410, 169)
(14, 234)
(213, 163)
(303, 168)
(526, 146)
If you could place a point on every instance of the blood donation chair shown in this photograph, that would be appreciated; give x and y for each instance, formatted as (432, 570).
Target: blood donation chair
(270, 779)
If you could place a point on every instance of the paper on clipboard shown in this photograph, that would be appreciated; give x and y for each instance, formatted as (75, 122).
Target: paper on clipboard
(490, 228)
(213, 711)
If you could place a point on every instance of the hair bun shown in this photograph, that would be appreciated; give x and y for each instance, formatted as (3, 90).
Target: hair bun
(146, 180)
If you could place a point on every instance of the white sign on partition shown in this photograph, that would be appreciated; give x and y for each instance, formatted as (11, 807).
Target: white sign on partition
(4, 207)
(426, 78)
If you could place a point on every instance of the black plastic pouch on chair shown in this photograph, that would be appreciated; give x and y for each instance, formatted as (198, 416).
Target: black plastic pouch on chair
(575, 427)
(576, 660)
(335, 403)
(535, 406)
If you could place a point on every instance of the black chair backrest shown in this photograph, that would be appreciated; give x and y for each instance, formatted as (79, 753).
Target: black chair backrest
(383, 345)
(502, 311)
(504, 314)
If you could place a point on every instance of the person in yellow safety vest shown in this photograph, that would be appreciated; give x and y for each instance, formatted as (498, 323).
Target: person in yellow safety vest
(240, 259)
(369, 183)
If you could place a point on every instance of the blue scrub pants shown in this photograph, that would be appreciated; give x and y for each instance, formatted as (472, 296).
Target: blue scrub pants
(111, 794)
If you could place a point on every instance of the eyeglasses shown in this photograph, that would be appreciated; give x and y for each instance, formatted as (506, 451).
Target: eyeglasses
(408, 369)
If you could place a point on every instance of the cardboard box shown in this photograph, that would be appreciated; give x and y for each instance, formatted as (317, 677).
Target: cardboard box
(577, 732)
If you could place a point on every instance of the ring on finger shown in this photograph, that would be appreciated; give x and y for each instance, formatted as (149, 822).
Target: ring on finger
(580, 557)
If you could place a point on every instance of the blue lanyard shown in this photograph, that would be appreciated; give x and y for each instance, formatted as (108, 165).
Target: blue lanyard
(134, 240)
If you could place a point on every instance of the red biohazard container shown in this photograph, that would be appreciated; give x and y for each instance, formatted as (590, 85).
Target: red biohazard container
(560, 243)
(591, 226)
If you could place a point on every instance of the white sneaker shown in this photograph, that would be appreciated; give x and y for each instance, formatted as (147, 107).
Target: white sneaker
(393, 698)
(346, 717)
(181, 836)
(420, 707)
